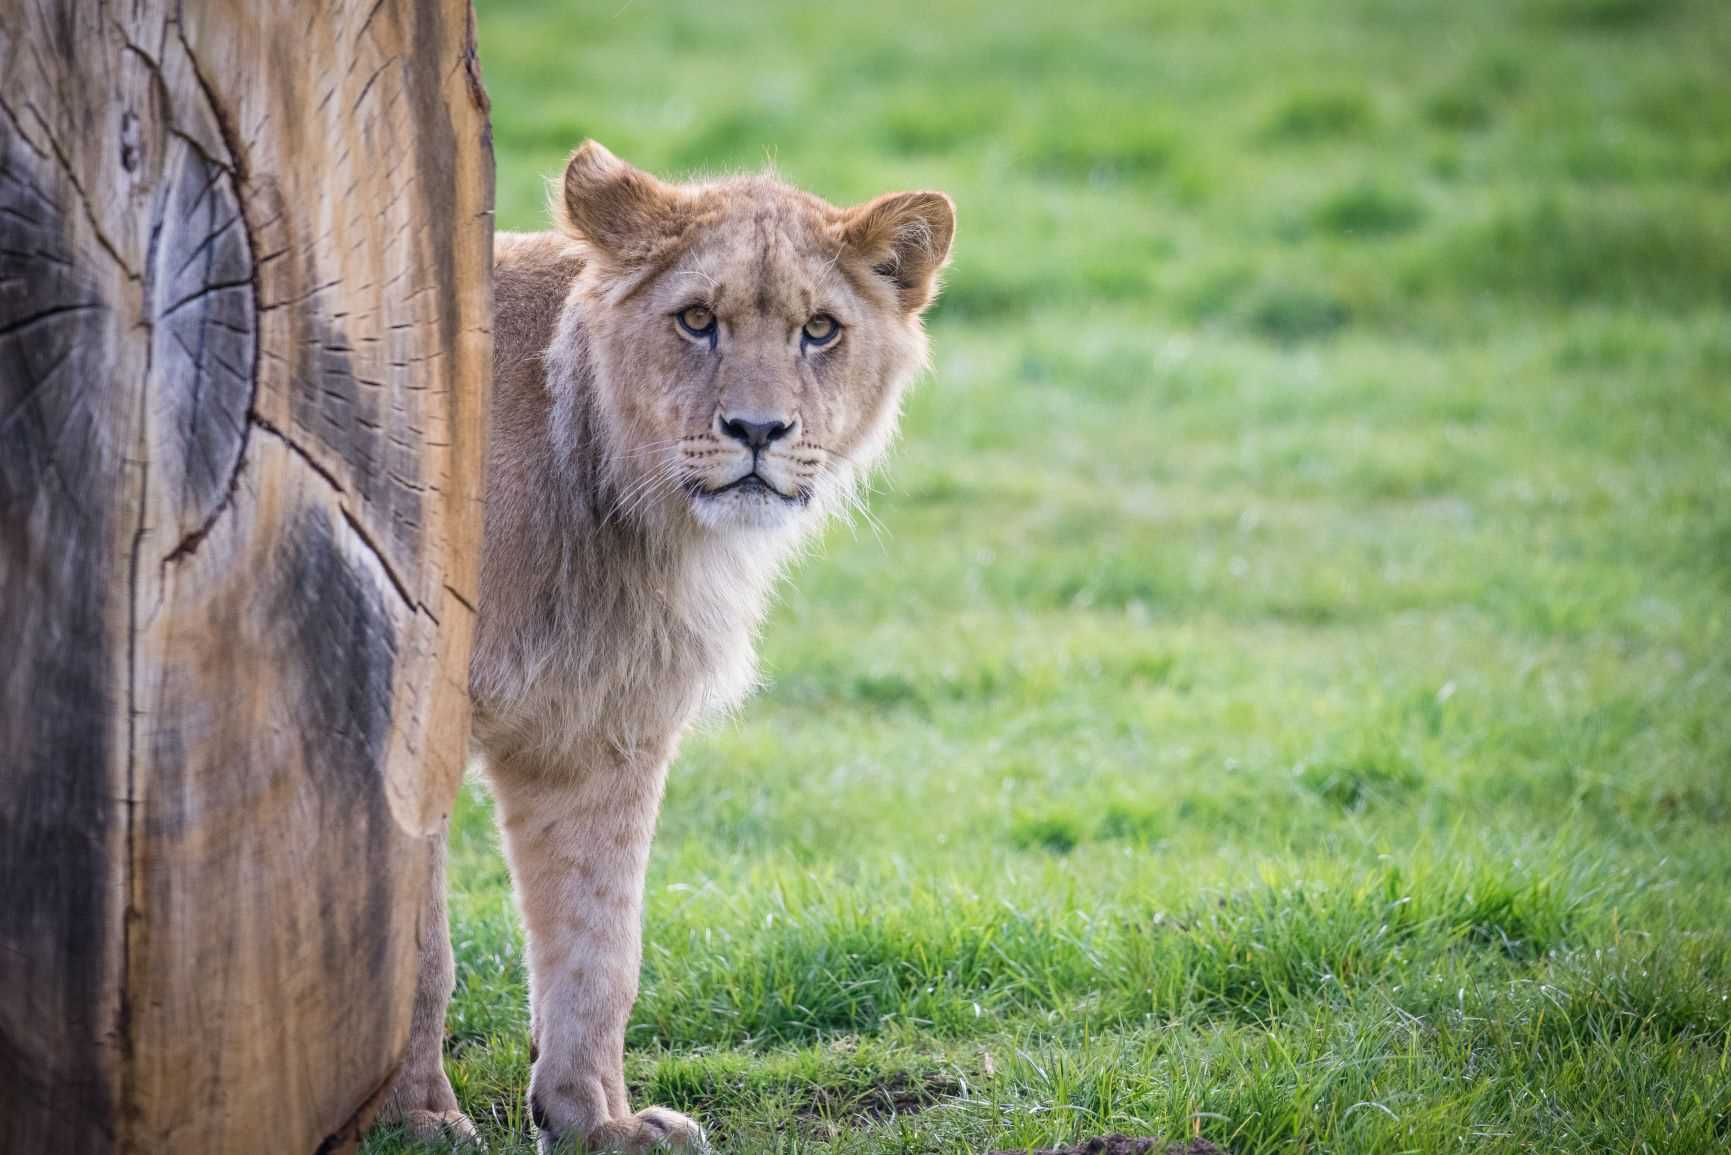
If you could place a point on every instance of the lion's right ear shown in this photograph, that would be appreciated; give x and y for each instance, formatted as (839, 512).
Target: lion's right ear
(620, 212)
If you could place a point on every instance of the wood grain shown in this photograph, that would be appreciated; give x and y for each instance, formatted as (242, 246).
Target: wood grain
(245, 265)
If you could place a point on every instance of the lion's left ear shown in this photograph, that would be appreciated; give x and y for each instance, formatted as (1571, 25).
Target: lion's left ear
(906, 238)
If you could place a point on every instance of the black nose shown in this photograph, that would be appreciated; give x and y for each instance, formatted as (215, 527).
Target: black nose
(755, 434)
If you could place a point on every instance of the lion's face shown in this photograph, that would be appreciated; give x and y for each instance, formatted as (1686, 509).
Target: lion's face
(751, 342)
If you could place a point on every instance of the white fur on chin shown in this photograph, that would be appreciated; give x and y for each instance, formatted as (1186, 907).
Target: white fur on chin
(744, 509)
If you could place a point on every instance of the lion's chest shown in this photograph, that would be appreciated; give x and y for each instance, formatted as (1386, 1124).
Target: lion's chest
(635, 657)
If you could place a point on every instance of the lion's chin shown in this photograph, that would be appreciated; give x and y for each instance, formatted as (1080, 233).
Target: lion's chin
(753, 507)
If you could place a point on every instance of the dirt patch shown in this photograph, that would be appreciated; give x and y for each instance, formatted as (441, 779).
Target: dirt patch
(899, 1094)
(1126, 1145)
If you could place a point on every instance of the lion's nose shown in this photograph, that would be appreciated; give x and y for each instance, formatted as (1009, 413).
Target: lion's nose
(753, 433)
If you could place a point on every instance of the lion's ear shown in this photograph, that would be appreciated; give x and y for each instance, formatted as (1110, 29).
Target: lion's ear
(618, 210)
(906, 238)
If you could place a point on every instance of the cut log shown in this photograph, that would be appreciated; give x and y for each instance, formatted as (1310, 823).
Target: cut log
(245, 300)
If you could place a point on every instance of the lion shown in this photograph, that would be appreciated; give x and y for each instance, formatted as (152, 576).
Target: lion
(688, 380)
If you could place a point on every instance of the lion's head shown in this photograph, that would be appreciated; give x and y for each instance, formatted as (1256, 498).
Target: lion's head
(750, 342)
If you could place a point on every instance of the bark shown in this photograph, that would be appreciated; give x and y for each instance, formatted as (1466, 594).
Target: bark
(245, 297)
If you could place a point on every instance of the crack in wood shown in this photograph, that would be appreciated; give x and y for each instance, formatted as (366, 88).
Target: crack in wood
(218, 111)
(368, 86)
(349, 516)
(190, 543)
(367, 24)
(133, 914)
(66, 169)
(13, 328)
(211, 237)
(217, 171)
(477, 90)
(298, 450)
(397, 583)
(271, 306)
(35, 389)
(202, 292)
(461, 600)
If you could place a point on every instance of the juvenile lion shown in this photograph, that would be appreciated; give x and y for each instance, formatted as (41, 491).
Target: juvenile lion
(688, 379)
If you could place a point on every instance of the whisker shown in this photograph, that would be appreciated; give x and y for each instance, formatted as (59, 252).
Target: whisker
(638, 492)
(650, 447)
(825, 449)
(633, 486)
(857, 500)
(629, 507)
(663, 485)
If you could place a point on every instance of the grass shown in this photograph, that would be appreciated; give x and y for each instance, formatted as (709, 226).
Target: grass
(1291, 699)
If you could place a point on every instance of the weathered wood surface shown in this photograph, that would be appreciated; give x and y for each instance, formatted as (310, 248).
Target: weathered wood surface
(245, 298)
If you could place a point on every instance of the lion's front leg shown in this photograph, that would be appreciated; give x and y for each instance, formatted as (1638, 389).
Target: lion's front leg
(578, 840)
(421, 1098)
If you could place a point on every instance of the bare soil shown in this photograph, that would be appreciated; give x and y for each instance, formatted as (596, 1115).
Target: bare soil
(1127, 1145)
(900, 1094)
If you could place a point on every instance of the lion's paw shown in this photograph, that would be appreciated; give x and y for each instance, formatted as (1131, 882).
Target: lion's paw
(651, 1129)
(423, 1126)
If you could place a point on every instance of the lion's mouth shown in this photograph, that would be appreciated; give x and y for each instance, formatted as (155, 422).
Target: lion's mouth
(752, 482)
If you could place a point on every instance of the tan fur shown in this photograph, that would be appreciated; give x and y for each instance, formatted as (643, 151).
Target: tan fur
(622, 587)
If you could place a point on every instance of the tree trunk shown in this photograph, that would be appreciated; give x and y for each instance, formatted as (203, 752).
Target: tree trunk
(245, 298)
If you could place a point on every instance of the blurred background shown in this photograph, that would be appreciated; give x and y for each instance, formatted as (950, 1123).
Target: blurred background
(1283, 692)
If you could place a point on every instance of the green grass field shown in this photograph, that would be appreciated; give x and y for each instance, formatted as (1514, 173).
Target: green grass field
(1289, 698)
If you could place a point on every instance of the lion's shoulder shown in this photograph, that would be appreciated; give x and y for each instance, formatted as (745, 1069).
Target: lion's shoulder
(532, 276)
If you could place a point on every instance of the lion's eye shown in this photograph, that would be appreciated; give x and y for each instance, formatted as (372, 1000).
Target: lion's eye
(820, 330)
(697, 321)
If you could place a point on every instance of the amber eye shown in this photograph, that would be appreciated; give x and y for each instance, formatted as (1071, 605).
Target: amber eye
(697, 321)
(820, 330)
